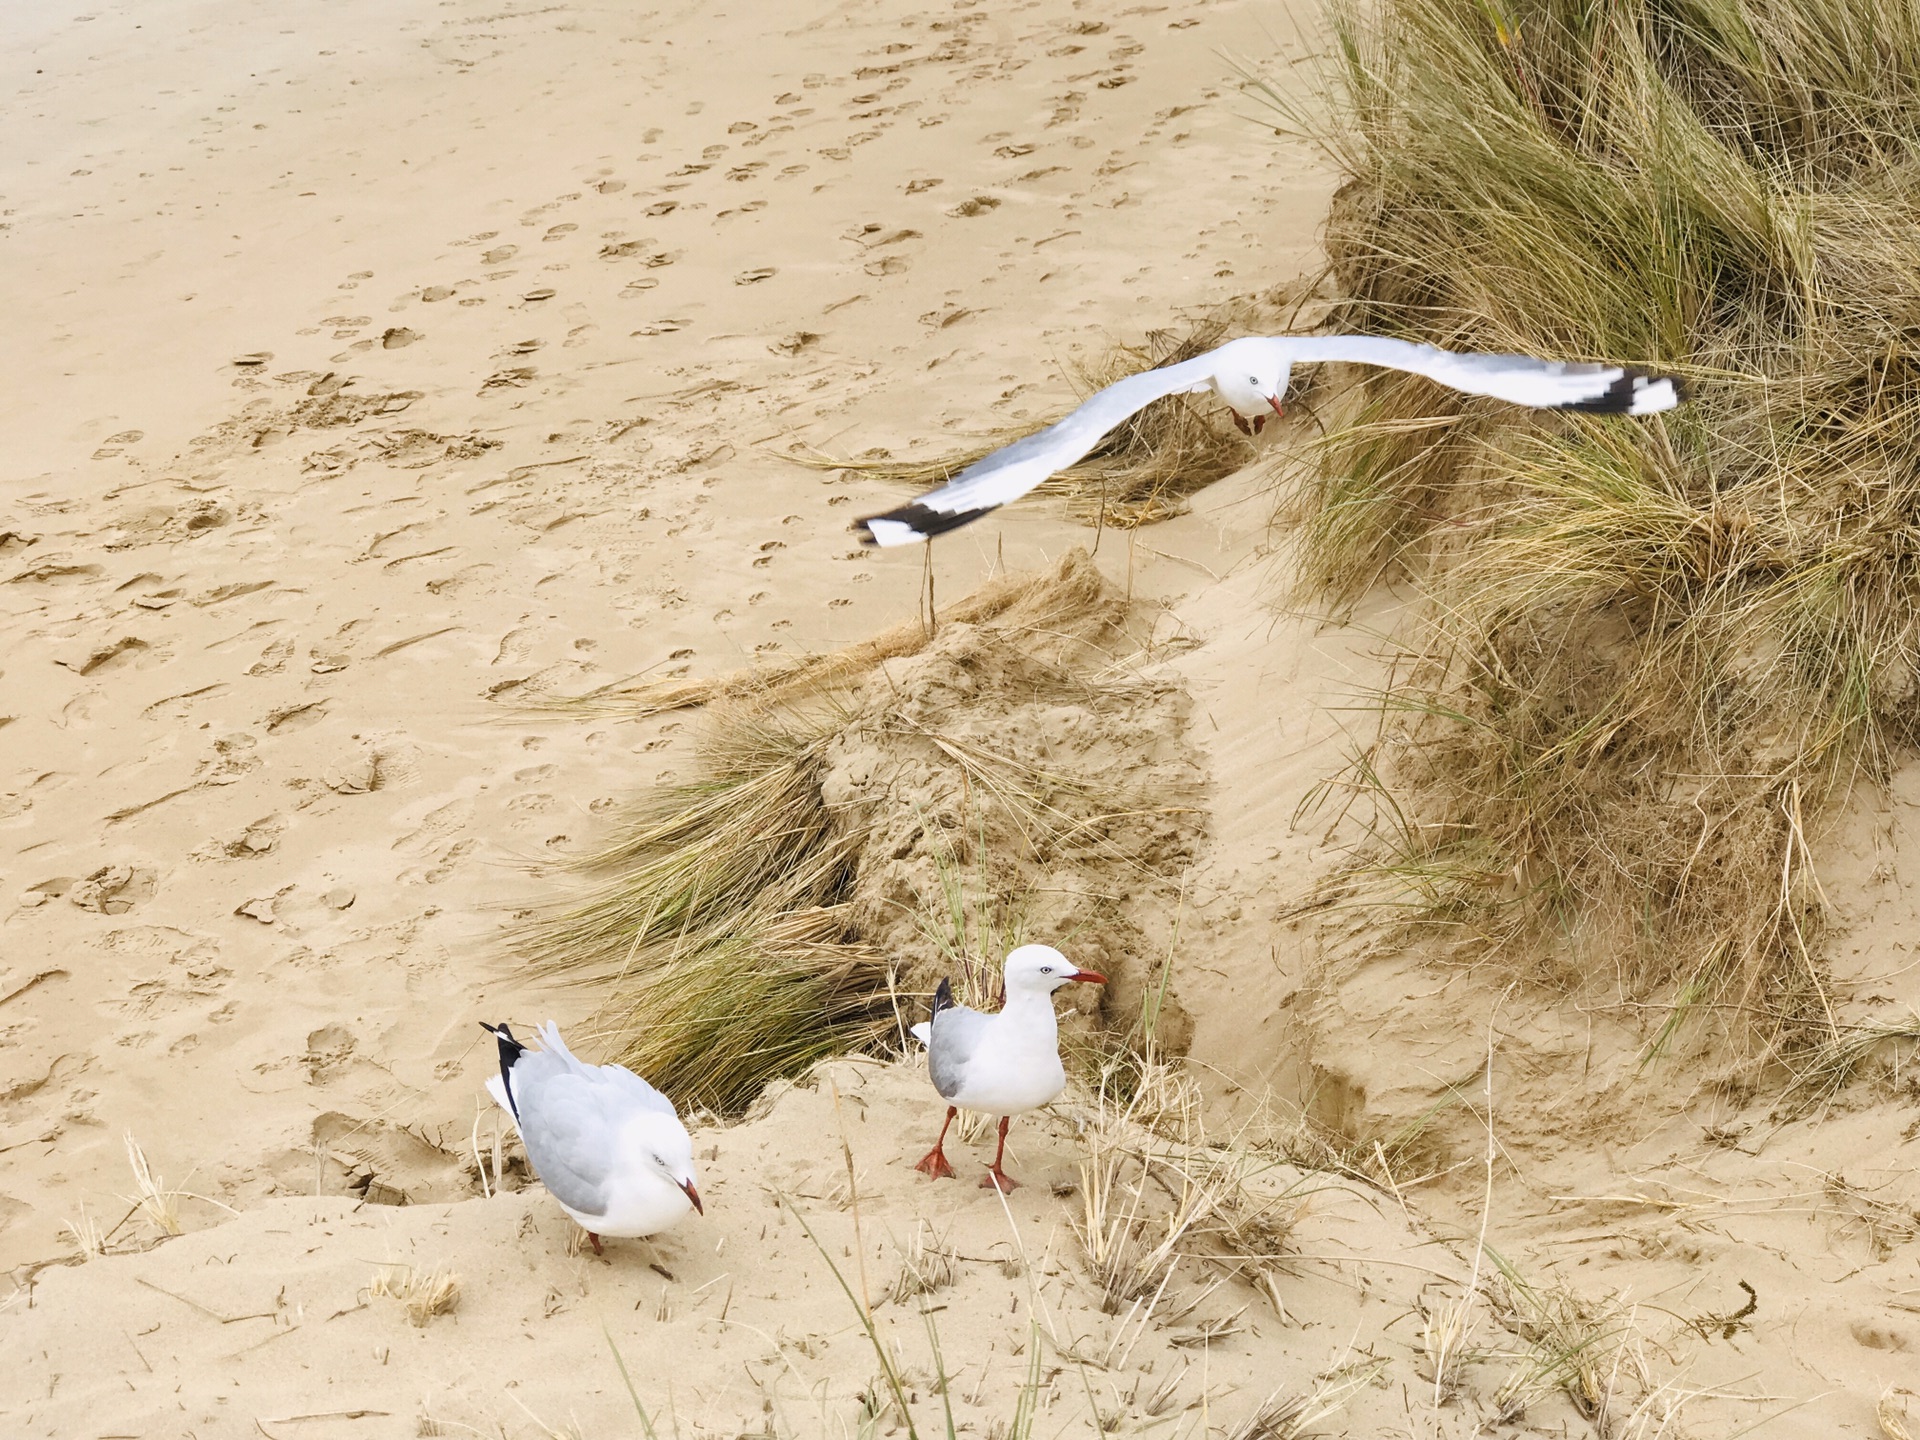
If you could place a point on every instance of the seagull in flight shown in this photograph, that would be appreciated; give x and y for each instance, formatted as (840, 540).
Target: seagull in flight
(606, 1144)
(1250, 375)
(1002, 1064)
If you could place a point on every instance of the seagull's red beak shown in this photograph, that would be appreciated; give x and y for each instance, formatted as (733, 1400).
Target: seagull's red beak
(1278, 408)
(694, 1196)
(1088, 977)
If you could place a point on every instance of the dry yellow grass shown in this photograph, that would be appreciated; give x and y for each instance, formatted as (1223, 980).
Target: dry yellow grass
(852, 822)
(422, 1294)
(1654, 652)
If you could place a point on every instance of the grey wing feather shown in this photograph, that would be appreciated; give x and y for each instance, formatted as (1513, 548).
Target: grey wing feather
(956, 1036)
(635, 1091)
(1010, 472)
(565, 1132)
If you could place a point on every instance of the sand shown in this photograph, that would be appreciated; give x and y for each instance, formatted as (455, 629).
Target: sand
(381, 367)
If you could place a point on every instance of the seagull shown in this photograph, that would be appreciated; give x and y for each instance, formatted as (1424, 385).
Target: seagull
(1001, 1064)
(607, 1145)
(1250, 375)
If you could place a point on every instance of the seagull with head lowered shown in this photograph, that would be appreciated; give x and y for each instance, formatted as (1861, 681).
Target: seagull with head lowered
(1251, 377)
(607, 1145)
(1002, 1064)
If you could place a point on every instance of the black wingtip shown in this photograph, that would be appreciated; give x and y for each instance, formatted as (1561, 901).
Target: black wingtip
(1636, 392)
(942, 997)
(924, 521)
(510, 1051)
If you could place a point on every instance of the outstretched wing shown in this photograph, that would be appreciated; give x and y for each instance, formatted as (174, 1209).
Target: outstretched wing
(1012, 471)
(1521, 379)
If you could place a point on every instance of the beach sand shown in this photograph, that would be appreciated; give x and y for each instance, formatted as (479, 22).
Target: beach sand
(380, 368)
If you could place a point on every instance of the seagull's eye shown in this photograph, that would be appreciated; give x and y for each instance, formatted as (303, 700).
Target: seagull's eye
(1254, 380)
(1046, 969)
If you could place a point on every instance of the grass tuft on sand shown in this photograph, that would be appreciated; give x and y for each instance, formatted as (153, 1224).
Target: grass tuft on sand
(1653, 653)
(866, 822)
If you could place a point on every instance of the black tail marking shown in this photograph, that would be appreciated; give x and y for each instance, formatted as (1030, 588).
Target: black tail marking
(510, 1051)
(1618, 398)
(923, 520)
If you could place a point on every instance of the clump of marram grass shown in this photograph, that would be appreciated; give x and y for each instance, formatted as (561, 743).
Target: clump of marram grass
(159, 1204)
(423, 1294)
(719, 933)
(1823, 1070)
(926, 1265)
(786, 905)
(1572, 1345)
(1144, 470)
(87, 1237)
(1290, 1414)
(1155, 1188)
(1654, 651)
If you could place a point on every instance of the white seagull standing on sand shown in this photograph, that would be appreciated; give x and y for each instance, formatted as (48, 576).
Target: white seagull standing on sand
(1251, 377)
(1003, 1064)
(607, 1145)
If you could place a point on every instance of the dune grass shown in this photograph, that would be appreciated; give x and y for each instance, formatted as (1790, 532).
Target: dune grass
(858, 831)
(717, 930)
(1652, 653)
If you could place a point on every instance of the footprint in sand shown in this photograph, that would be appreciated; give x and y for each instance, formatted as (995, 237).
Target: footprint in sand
(273, 659)
(96, 655)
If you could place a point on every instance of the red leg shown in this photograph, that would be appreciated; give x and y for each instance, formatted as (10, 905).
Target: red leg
(596, 1242)
(1259, 423)
(996, 1178)
(934, 1162)
(1242, 424)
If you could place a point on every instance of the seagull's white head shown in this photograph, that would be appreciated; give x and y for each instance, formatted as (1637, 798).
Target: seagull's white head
(1251, 376)
(668, 1152)
(1041, 970)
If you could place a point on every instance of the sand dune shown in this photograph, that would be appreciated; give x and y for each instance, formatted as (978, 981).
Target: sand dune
(381, 366)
